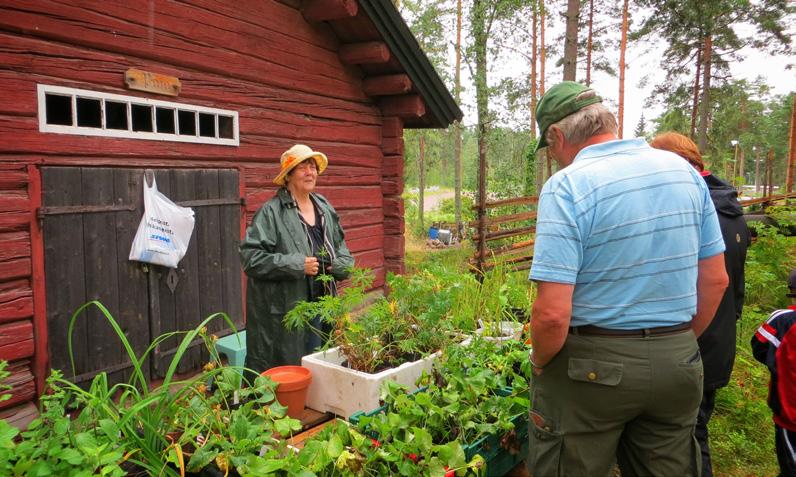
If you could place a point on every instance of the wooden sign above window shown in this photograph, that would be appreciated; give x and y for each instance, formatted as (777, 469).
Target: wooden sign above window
(152, 82)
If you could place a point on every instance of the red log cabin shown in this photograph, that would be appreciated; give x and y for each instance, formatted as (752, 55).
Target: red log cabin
(207, 94)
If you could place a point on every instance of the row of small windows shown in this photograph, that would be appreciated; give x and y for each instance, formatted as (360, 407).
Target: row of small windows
(107, 113)
(164, 120)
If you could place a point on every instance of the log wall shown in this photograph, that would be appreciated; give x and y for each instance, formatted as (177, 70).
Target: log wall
(258, 57)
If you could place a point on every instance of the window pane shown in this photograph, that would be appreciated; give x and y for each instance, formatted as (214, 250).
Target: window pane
(142, 117)
(187, 123)
(225, 127)
(89, 113)
(165, 120)
(59, 109)
(207, 125)
(115, 115)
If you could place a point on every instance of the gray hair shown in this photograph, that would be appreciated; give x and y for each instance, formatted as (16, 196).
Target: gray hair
(589, 121)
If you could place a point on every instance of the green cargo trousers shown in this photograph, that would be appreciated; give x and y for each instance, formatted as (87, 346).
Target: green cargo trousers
(626, 400)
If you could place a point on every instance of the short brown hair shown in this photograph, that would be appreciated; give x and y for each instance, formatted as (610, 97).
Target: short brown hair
(680, 145)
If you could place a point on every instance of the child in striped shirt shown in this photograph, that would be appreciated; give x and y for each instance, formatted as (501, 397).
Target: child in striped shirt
(774, 344)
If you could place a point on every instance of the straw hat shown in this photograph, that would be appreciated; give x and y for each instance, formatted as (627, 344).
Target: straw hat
(295, 156)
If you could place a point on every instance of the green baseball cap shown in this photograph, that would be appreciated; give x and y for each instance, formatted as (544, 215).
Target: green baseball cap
(559, 102)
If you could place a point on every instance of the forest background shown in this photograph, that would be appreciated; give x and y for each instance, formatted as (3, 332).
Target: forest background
(719, 71)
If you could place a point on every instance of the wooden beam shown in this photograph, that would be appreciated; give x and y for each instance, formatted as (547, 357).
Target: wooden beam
(387, 85)
(505, 219)
(367, 53)
(514, 201)
(501, 234)
(327, 10)
(405, 106)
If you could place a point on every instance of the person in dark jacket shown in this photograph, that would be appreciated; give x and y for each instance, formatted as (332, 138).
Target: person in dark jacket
(774, 344)
(292, 238)
(717, 343)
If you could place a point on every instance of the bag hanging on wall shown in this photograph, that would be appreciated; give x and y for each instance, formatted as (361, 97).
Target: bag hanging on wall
(165, 229)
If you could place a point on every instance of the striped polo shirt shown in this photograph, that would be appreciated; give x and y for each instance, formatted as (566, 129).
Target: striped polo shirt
(626, 224)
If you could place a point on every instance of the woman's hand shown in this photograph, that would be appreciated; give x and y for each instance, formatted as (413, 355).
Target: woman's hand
(311, 266)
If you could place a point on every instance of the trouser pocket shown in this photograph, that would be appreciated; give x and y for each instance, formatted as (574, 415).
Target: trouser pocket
(544, 448)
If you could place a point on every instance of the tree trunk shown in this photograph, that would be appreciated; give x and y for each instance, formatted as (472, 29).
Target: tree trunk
(588, 43)
(457, 149)
(421, 167)
(571, 41)
(705, 111)
(622, 49)
(482, 105)
(757, 172)
(791, 149)
(740, 168)
(542, 55)
(533, 73)
(539, 160)
(695, 106)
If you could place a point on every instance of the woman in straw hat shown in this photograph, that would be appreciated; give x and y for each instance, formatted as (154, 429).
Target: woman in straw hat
(292, 238)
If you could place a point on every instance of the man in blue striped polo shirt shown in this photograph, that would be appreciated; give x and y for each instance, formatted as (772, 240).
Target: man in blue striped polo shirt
(629, 267)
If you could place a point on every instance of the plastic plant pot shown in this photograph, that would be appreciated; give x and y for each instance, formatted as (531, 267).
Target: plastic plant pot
(293, 383)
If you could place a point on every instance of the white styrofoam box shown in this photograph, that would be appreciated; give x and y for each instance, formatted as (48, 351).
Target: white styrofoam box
(344, 391)
(508, 330)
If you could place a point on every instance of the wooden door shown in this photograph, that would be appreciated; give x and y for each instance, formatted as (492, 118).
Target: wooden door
(90, 216)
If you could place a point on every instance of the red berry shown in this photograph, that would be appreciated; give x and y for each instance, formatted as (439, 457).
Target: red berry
(413, 457)
(375, 443)
(449, 472)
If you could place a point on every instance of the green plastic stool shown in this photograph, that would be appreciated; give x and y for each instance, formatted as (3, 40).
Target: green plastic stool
(234, 350)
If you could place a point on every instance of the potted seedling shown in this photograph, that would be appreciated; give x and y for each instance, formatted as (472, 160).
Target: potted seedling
(387, 340)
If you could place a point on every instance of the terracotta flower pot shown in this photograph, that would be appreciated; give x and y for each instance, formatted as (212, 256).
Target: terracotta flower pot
(293, 383)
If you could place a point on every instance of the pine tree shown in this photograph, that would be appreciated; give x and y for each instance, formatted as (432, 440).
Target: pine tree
(702, 37)
(641, 127)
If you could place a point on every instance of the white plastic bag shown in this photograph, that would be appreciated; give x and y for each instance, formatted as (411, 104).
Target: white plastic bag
(164, 232)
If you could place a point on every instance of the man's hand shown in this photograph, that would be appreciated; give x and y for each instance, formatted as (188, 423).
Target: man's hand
(550, 319)
(311, 266)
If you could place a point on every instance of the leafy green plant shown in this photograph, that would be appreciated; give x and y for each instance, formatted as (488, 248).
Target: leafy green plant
(341, 449)
(161, 430)
(238, 434)
(769, 260)
(387, 332)
(56, 444)
(475, 391)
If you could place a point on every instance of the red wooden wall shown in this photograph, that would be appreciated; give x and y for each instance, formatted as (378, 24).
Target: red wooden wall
(258, 57)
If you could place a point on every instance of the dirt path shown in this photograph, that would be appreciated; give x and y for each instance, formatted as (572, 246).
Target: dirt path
(433, 199)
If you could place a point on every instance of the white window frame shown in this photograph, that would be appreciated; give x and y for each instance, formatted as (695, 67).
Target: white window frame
(73, 93)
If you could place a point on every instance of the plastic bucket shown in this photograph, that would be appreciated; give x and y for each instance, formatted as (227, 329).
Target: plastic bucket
(291, 391)
(433, 232)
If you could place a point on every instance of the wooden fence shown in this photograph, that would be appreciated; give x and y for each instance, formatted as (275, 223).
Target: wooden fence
(519, 254)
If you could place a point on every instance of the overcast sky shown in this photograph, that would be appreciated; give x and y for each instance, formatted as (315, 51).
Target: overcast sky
(642, 60)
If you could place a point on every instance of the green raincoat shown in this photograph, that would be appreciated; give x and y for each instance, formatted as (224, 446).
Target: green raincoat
(272, 255)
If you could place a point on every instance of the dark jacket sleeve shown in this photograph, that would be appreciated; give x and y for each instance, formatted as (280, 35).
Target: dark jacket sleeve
(760, 348)
(259, 253)
(343, 261)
